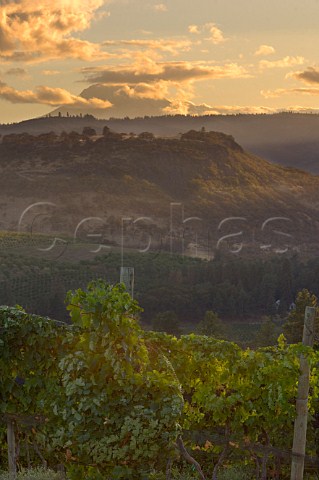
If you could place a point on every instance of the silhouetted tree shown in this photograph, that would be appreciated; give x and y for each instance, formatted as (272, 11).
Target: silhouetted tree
(211, 326)
(293, 328)
(267, 334)
(106, 131)
(167, 322)
(89, 132)
(146, 136)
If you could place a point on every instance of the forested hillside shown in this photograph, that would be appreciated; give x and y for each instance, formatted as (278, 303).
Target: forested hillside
(240, 290)
(286, 138)
(206, 175)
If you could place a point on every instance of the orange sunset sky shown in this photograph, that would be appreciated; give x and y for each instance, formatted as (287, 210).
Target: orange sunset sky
(179, 56)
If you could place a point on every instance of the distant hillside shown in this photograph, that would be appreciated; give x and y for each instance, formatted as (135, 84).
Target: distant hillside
(141, 188)
(288, 139)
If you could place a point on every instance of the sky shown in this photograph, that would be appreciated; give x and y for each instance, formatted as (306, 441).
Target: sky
(157, 57)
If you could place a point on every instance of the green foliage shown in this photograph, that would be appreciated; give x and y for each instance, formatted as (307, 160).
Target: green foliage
(268, 333)
(230, 472)
(103, 306)
(33, 474)
(114, 398)
(293, 328)
(121, 407)
(211, 326)
(167, 322)
(244, 394)
(30, 347)
(234, 288)
(236, 472)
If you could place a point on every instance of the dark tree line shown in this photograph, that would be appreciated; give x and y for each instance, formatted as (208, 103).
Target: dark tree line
(232, 287)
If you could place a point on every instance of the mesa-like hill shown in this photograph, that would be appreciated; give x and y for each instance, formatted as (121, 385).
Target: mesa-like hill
(290, 139)
(142, 189)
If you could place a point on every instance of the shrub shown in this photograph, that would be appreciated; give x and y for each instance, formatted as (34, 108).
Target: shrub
(33, 474)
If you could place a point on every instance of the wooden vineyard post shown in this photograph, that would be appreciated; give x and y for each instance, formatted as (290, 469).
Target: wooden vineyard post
(300, 430)
(127, 277)
(11, 449)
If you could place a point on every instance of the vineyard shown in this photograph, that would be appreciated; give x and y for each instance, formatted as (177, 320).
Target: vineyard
(237, 289)
(100, 398)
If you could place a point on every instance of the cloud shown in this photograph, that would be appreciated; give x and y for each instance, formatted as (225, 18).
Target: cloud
(264, 50)
(155, 91)
(290, 91)
(152, 100)
(38, 30)
(160, 7)
(49, 96)
(216, 36)
(131, 101)
(309, 76)
(172, 46)
(194, 29)
(18, 72)
(145, 32)
(101, 15)
(50, 72)
(301, 109)
(155, 100)
(190, 108)
(236, 109)
(169, 71)
(285, 62)
(244, 110)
